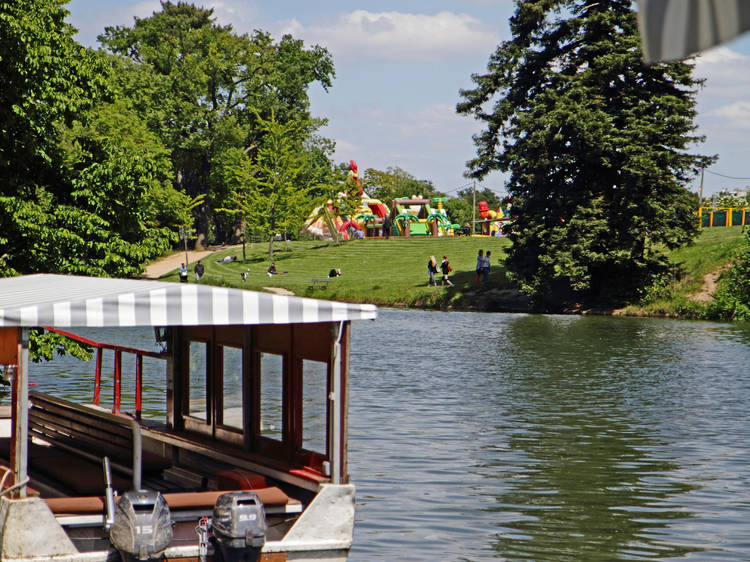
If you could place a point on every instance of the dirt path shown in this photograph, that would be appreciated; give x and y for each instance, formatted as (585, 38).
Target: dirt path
(279, 291)
(164, 265)
(710, 280)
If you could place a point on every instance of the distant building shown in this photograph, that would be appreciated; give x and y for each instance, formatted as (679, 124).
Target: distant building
(739, 193)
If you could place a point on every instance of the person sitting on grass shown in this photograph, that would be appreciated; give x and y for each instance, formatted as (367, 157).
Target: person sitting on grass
(334, 273)
(272, 270)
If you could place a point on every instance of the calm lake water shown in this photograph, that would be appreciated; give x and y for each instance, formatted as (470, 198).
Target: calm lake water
(502, 436)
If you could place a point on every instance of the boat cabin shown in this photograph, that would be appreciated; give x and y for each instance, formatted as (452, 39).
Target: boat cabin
(249, 462)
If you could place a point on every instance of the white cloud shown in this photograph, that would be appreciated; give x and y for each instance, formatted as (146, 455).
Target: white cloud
(90, 18)
(723, 113)
(736, 110)
(726, 74)
(397, 36)
(145, 9)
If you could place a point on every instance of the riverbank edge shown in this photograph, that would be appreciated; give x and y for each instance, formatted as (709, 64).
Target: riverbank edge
(494, 298)
(515, 302)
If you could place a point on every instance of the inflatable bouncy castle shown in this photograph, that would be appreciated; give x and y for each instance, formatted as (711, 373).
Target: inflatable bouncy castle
(365, 221)
(492, 221)
(421, 217)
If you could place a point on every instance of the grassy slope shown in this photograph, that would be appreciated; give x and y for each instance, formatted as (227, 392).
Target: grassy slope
(712, 250)
(394, 272)
(379, 271)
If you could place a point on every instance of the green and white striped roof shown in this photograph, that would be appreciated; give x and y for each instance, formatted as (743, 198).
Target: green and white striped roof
(67, 301)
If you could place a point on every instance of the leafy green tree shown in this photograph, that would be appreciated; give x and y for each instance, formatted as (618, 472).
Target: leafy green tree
(57, 207)
(212, 91)
(56, 212)
(732, 297)
(48, 79)
(726, 199)
(267, 194)
(596, 144)
(396, 183)
(483, 194)
(39, 234)
(459, 211)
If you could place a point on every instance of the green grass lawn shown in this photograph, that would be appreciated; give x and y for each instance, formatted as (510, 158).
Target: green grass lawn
(374, 270)
(394, 272)
(713, 248)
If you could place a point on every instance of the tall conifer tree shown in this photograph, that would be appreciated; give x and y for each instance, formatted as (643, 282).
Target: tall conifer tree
(596, 146)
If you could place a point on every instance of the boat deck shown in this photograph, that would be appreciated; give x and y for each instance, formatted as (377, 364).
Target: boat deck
(190, 477)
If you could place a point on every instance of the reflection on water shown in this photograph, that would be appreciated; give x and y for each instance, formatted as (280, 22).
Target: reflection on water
(549, 438)
(498, 436)
(587, 473)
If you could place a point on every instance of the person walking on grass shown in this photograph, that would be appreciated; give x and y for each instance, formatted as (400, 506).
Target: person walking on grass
(486, 269)
(446, 268)
(480, 266)
(432, 270)
(183, 273)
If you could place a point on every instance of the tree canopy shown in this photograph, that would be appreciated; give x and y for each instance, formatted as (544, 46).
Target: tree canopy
(269, 192)
(206, 90)
(596, 146)
(396, 183)
(59, 190)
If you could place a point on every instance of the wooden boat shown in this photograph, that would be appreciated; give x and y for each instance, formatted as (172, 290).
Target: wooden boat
(236, 471)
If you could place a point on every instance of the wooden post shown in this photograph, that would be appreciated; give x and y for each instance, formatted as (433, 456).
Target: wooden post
(118, 376)
(19, 444)
(138, 384)
(98, 376)
(8, 346)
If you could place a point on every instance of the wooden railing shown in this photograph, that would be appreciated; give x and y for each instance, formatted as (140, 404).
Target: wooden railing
(118, 351)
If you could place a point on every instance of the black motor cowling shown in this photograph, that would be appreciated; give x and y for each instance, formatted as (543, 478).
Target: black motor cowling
(142, 526)
(239, 526)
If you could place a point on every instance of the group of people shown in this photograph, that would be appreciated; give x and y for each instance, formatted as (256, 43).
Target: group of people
(482, 270)
(483, 266)
(198, 270)
(432, 269)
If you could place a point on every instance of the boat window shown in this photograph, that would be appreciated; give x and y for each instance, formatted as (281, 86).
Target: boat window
(271, 394)
(231, 407)
(198, 358)
(314, 403)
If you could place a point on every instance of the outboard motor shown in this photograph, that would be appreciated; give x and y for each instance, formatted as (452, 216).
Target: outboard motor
(239, 526)
(142, 526)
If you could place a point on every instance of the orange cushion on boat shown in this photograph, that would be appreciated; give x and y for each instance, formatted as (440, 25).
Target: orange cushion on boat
(76, 505)
(179, 500)
(239, 479)
(183, 500)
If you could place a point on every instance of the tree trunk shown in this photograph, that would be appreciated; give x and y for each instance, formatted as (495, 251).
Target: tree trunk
(272, 233)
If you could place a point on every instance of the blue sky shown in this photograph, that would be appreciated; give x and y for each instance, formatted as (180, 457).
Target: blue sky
(400, 66)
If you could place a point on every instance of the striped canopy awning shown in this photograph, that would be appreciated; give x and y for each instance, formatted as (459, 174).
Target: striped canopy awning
(675, 29)
(67, 301)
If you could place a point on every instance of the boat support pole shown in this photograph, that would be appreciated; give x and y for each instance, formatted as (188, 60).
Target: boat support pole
(109, 495)
(21, 416)
(135, 427)
(335, 409)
